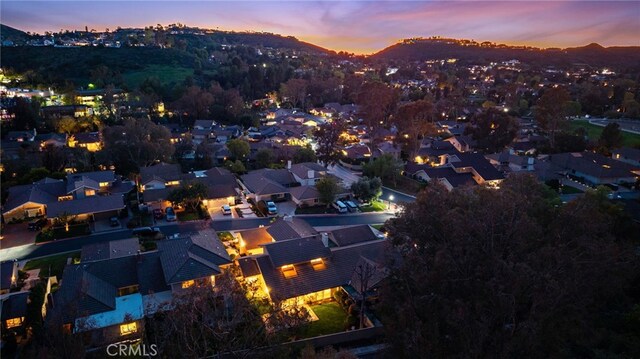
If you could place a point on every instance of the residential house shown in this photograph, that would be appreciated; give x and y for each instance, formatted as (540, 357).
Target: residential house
(462, 143)
(388, 147)
(222, 186)
(268, 184)
(306, 269)
(14, 311)
(157, 181)
(475, 163)
(8, 276)
(506, 161)
(51, 139)
(447, 176)
(307, 173)
(435, 153)
(88, 195)
(91, 141)
(22, 136)
(595, 169)
(75, 111)
(357, 153)
(107, 299)
(628, 155)
(110, 250)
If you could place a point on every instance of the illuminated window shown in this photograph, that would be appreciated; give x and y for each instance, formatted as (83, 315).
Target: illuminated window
(289, 271)
(128, 328)
(318, 264)
(188, 284)
(104, 184)
(65, 198)
(127, 290)
(172, 183)
(15, 322)
(89, 192)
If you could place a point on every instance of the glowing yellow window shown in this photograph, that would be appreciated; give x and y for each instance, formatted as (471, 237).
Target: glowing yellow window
(15, 322)
(172, 183)
(128, 328)
(188, 284)
(89, 192)
(318, 264)
(289, 271)
(104, 184)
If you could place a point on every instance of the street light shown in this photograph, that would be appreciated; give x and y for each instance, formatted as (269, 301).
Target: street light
(390, 199)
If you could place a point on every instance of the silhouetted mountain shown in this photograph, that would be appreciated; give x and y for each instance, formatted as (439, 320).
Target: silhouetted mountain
(432, 49)
(11, 34)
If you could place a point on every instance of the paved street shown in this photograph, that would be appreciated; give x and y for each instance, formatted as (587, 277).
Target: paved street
(75, 244)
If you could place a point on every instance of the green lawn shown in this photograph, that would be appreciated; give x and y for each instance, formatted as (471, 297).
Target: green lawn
(377, 226)
(57, 264)
(187, 216)
(166, 74)
(593, 132)
(375, 206)
(52, 233)
(331, 319)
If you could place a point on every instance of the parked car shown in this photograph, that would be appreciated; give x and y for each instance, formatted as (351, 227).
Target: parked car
(226, 210)
(171, 214)
(157, 213)
(271, 208)
(351, 206)
(114, 222)
(341, 207)
(37, 224)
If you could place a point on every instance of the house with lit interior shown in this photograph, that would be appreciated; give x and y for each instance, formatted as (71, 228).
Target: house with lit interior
(106, 297)
(88, 195)
(312, 267)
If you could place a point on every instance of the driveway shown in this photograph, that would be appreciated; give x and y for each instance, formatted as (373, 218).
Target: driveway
(287, 208)
(104, 225)
(14, 235)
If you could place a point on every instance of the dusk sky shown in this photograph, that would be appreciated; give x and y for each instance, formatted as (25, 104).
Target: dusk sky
(355, 26)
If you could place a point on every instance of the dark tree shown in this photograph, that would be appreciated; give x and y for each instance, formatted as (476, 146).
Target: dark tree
(611, 136)
(377, 103)
(493, 130)
(512, 273)
(367, 189)
(551, 111)
(328, 138)
(415, 120)
(305, 154)
(264, 158)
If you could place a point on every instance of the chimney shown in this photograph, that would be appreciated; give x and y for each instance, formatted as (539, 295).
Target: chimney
(289, 164)
(310, 173)
(288, 218)
(325, 239)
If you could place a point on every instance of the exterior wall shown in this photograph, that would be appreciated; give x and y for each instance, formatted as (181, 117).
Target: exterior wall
(26, 210)
(270, 197)
(306, 202)
(112, 334)
(314, 297)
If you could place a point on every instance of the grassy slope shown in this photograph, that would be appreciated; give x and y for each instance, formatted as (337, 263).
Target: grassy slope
(593, 131)
(166, 74)
(57, 263)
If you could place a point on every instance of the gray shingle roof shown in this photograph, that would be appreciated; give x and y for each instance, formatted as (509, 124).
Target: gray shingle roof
(111, 249)
(290, 227)
(98, 176)
(191, 258)
(296, 250)
(248, 266)
(302, 170)
(351, 235)
(15, 306)
(41, 193)
(162, 171)
(479, 163)
(304, 192)
(266, 181)
(338, 270)
(593, 164)
(93, 204)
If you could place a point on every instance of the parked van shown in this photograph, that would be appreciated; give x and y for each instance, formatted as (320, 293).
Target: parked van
(341, 207)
